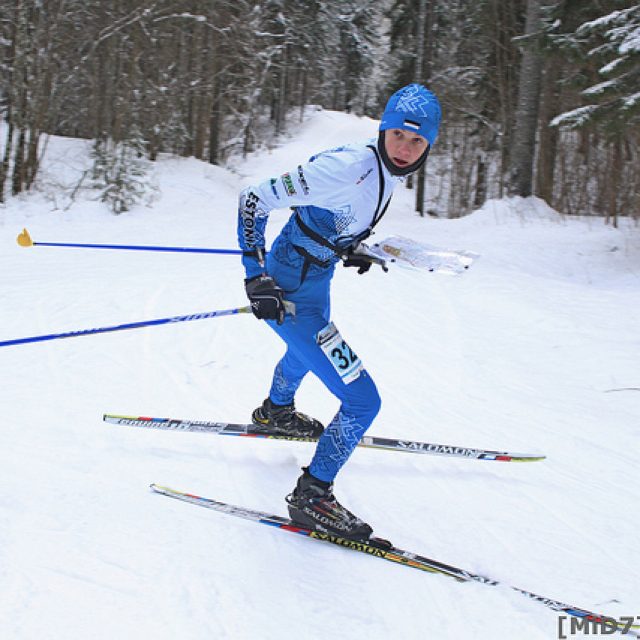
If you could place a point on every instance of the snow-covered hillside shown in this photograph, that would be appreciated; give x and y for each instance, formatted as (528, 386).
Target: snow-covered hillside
(536, 348)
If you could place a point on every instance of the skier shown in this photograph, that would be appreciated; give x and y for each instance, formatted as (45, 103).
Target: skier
(337, 198)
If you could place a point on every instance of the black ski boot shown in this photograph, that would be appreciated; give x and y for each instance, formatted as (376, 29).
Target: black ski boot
(285, 420)
(313, 505)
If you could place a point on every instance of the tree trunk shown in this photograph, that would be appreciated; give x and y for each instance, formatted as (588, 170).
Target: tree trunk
(420, 38)
(303, 93)
(421, 35)
(526, 121)
(548, 136)
(198, 55)
(215, 120)
(17, 177)
(613, 184)
(481, 181)
(281, 101)
(4, 165)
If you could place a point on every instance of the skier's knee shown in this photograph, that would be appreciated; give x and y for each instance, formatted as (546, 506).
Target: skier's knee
(374, 403)
(362, 399)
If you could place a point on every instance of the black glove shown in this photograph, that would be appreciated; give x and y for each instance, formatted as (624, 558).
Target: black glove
(357, 260)
(266, 297)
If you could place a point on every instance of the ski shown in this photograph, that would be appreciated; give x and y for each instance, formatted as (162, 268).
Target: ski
(383, 549)
(370, 442)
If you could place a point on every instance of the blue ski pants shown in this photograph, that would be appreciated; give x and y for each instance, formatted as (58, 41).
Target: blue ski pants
(360, 401)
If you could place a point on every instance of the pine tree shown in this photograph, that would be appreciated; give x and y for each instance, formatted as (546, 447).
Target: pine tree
(604, 49)
(613, 40)
(121, 172)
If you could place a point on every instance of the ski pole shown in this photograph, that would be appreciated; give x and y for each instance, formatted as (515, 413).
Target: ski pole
(130, 325)
(24, 240)
(289, 307)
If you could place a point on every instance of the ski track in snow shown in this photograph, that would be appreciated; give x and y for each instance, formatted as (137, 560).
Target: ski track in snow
(519, 353)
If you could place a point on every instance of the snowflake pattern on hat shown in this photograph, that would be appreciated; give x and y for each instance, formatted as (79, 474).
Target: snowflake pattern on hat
(413, 100)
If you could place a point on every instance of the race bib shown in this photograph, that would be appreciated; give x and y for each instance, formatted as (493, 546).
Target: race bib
(340, 355)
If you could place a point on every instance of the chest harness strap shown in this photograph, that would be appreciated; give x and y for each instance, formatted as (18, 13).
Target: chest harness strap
(324, 242)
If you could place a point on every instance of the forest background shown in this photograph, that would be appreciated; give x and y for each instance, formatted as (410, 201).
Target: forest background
(538, 97)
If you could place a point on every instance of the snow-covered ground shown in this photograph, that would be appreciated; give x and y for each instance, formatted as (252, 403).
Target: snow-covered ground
(534, 349)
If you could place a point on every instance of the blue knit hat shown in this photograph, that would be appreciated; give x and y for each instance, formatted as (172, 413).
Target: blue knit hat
(413, 108)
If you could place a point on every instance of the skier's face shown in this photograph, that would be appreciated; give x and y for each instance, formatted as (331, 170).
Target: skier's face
(404, 147)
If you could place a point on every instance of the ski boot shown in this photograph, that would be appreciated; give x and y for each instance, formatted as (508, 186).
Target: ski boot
(312, 505)
(285, 420)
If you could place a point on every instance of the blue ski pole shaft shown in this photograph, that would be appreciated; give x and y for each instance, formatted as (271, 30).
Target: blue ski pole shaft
(24, 240)
(132, 247)
(123, 327)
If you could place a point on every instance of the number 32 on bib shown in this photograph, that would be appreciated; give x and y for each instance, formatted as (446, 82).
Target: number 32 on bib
(344, 361)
